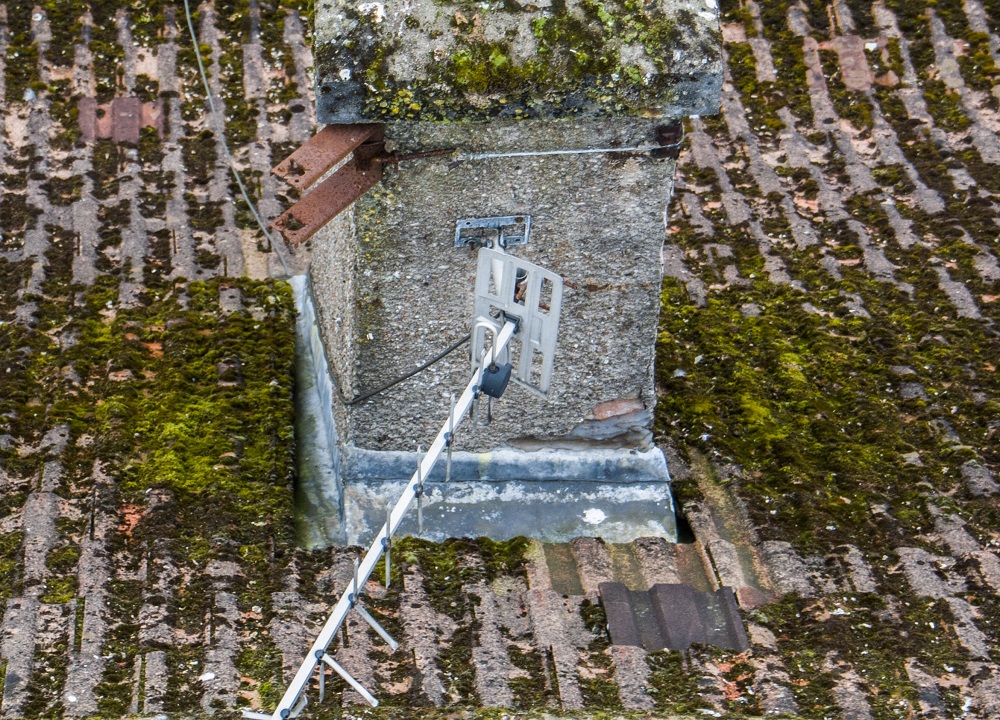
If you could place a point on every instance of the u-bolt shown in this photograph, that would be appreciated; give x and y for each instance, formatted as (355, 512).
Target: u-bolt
(487, 325)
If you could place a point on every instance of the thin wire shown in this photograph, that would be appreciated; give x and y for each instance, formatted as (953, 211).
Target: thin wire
(532, 153)
(220, 131)
(407, 376)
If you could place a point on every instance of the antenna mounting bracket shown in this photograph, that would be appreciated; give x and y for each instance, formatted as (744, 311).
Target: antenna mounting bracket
(493, 232)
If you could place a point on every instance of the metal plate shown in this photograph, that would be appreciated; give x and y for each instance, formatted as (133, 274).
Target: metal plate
(493, 232)
(673, 616)
(322, 151)
(331, 197)
(507, 288)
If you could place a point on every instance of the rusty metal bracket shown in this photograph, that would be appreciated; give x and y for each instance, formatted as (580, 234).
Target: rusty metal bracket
(312, 160)
(330, 198)
(324, 150)
(353, 179)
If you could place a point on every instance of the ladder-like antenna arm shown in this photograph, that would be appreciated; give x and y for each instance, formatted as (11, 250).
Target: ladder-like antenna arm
(290, 702)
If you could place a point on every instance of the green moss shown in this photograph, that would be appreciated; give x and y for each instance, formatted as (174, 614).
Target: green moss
(893, 176)
(241, 114)
(157, 266)
(741, 676)
(64, 191)
(199, 155)
(213, 513)
(206, 258)
(17, 216)
(979, 70)
(261, 664)
(761, 100)
(864, 19)
(63, 110)
(992, 8)
(671, 685)
(945, 106)
(109, 58)
(952, 14)
(895, 50)
(927, 158)
(147, 20)
(59, 590)
(146, 89)
(538, 688)
(150, 149)
(229, 475)
(446, 569)
(108, 160)
(578, 66)
(599, 689)
(819, 19)
(184, 690)
(456, 664)
(806, 405)
(63, 559)
(204, 216)
(65, 28)
(874, 638)
(42, 693)
(21, 61)
(114, 692)
(849, 104)
(789, 59)
(10, 565)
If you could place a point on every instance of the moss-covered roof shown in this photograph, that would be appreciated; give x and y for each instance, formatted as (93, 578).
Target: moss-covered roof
(440, 60)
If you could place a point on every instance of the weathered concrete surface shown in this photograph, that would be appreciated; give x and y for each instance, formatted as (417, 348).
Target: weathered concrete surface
(552, 512)
(568, 491)
(416, 613)
(788, 572)
(393, 291)
(456, 61)
(552, 630)
(17, 645)
(490, 655)
(613, 466)
(632, 674)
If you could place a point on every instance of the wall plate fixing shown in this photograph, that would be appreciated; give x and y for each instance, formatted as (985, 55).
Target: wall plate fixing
(493, 232)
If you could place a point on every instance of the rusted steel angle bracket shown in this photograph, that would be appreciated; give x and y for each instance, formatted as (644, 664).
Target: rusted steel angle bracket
(328, 199)
(324, 150)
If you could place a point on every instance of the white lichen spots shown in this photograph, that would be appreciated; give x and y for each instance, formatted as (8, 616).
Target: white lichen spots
(375, 10)
(594, 516)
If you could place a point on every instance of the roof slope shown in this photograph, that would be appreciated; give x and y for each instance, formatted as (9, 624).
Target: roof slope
(828, 345)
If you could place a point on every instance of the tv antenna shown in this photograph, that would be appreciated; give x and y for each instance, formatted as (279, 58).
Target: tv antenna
(514, 328)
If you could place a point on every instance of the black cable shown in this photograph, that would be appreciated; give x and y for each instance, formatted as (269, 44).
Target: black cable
(365, 396)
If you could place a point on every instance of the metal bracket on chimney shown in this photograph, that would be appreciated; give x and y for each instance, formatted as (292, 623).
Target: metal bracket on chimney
(335, 194)
(350, 181)
(493, 232)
